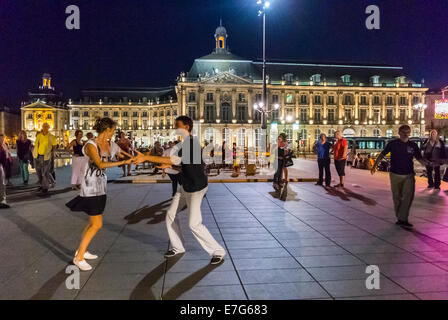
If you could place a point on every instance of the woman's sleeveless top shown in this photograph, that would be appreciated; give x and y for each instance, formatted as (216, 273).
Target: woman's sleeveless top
(77, 149)
(95, 180)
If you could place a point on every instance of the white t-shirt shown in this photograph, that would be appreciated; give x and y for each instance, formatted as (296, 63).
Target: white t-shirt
(95, 180)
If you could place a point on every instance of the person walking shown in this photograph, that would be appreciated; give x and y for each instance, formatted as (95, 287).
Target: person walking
(92, 199)
(194, 185)
(340, 156)
(322, 149)
(42, 154)
(125, 144)
(3, 164)
(402, 176)
(434, 152)
(79, 161)
(25, 155)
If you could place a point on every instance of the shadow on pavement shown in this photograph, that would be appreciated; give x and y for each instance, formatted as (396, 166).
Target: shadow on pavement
(63, 253)
(154, 214)
(189, 282)
(365, 200)
(143, 289)
(33, 194)
(49, 288)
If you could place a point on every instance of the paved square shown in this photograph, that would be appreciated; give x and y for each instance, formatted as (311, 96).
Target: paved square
(315, 245)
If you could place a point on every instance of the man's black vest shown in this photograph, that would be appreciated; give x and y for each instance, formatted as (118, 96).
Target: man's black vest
(193, 177)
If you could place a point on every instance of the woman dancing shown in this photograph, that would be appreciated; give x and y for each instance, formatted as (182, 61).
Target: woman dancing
(92, 199)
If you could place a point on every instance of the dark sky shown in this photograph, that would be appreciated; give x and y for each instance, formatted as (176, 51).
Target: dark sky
(149, 42)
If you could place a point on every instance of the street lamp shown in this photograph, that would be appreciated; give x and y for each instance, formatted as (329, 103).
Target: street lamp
(264, 5)
(420, 107)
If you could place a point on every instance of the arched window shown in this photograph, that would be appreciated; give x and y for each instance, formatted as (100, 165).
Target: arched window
(376, 132)
(225, 112)
(209, 135)
(241, 141)
(316, 134)
(331, 132)
(416, 132)
(288, 132)
(258, 137)
(226, 135)
(363, 133)
(389, 133)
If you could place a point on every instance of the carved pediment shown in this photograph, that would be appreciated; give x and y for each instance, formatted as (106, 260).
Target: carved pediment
(225, 77)
(38, 105)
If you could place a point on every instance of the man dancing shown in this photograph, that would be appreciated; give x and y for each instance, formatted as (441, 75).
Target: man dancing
(194, 185)
(402, 176)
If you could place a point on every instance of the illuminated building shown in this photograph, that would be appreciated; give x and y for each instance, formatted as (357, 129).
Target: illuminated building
(45, 106)
(220, 90)
(9, 123)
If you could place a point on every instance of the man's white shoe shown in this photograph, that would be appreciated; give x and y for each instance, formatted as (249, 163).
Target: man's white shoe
(88, 255)
(82, 264)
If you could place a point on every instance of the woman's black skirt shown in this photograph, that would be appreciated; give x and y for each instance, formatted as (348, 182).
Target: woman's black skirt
(93, 206)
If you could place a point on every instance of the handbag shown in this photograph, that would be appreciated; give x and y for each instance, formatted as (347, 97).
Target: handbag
(288, 160)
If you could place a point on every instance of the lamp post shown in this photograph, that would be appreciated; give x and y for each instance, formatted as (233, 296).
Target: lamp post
(264, 5)
(421, 107)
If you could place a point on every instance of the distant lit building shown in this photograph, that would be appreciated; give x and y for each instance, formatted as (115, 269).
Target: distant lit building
(9, 123)
(46, 106)
(220, 90)
(436, 115)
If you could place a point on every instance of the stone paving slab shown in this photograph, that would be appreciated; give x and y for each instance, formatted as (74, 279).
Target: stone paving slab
(314, 245)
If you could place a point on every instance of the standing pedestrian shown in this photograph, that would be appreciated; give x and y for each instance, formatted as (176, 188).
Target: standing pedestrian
(125, 144)
(24, 153)
(43, 152)
(92, 199)
(3, 163)
(402, 175)
(434, 152)
(89, 136)
(79, 161)
(322, 149)
(340, 156)
(194, 185)
(279, 158)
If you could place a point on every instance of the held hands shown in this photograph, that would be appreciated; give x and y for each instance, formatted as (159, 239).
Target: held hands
(139, 158)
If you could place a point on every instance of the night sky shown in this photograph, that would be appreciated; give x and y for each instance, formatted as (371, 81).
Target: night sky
(147, 43)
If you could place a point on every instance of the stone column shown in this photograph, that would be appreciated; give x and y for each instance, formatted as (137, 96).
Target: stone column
(397, 106)
(311, 106)
(325, 97)
(297, 105)
(201, 99)
(410, 106)
(370, 105)
(340, 106)
(250, 103)
(233, 104)
(282, 105)
(356, 105)
(183, 94)
(218, 103)
(383, 107)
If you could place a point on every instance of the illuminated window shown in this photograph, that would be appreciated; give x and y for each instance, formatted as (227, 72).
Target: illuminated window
(289, 98)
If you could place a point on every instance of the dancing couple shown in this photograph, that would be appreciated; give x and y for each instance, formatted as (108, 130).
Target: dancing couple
(92, 199)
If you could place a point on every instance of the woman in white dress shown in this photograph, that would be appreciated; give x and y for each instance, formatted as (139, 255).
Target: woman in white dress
(79, 161)
(101, 152)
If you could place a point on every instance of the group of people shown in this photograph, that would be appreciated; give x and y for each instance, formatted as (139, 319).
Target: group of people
(190, 175)
(323, 148)
(402, 152)
(40, 156)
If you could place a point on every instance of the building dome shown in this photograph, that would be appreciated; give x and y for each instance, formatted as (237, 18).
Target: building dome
(220, 31)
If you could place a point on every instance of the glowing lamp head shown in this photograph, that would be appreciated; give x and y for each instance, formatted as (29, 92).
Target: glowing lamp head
(276, 106)
(289, 118)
